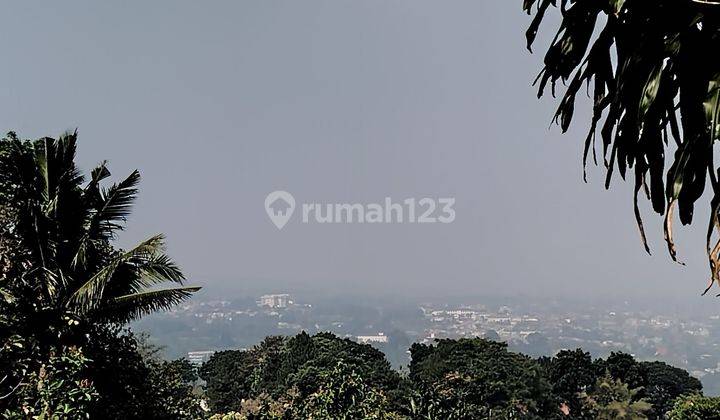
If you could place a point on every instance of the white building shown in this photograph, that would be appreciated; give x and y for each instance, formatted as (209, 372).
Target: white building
(199, 357)
(379, 338)
(275, 301)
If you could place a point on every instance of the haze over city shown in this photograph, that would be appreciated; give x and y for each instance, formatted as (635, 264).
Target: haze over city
(338, 102)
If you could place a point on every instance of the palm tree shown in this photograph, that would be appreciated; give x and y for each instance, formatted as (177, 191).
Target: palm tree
(655, 75)
(65, 270)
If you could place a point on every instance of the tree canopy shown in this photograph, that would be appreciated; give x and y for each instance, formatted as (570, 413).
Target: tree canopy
(695, 407)
(326, 377)
(297, 366)
(62, 273)
(65, 289)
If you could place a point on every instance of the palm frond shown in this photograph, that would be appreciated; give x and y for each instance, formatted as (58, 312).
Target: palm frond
(6, 295)
(157, 268)
(53, 284)
(56, 165)
(109, 209)
(91, 199)
(131, 307)
(92, 189)
(115, 205)
(90, 294)
(142, 272)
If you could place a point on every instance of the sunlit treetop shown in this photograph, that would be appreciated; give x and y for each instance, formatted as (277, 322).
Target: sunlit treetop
(652, 70)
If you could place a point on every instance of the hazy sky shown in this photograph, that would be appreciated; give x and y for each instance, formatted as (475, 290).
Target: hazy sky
(220, 103)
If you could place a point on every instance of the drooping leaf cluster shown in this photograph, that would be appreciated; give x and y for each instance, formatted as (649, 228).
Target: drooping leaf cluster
(653, 75)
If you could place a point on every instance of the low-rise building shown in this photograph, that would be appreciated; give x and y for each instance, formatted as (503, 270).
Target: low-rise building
(275, 301)
(379, 338)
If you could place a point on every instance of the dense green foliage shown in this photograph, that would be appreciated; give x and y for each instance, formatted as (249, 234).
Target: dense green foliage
(484, 376)
(296, 367)
(138, 385)
(325, 377)
(230, 374)
(611, 399)
(58, 389)
(571, 373)
(574, 375)
(653, 77)
(663, 383)
(695, 407)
